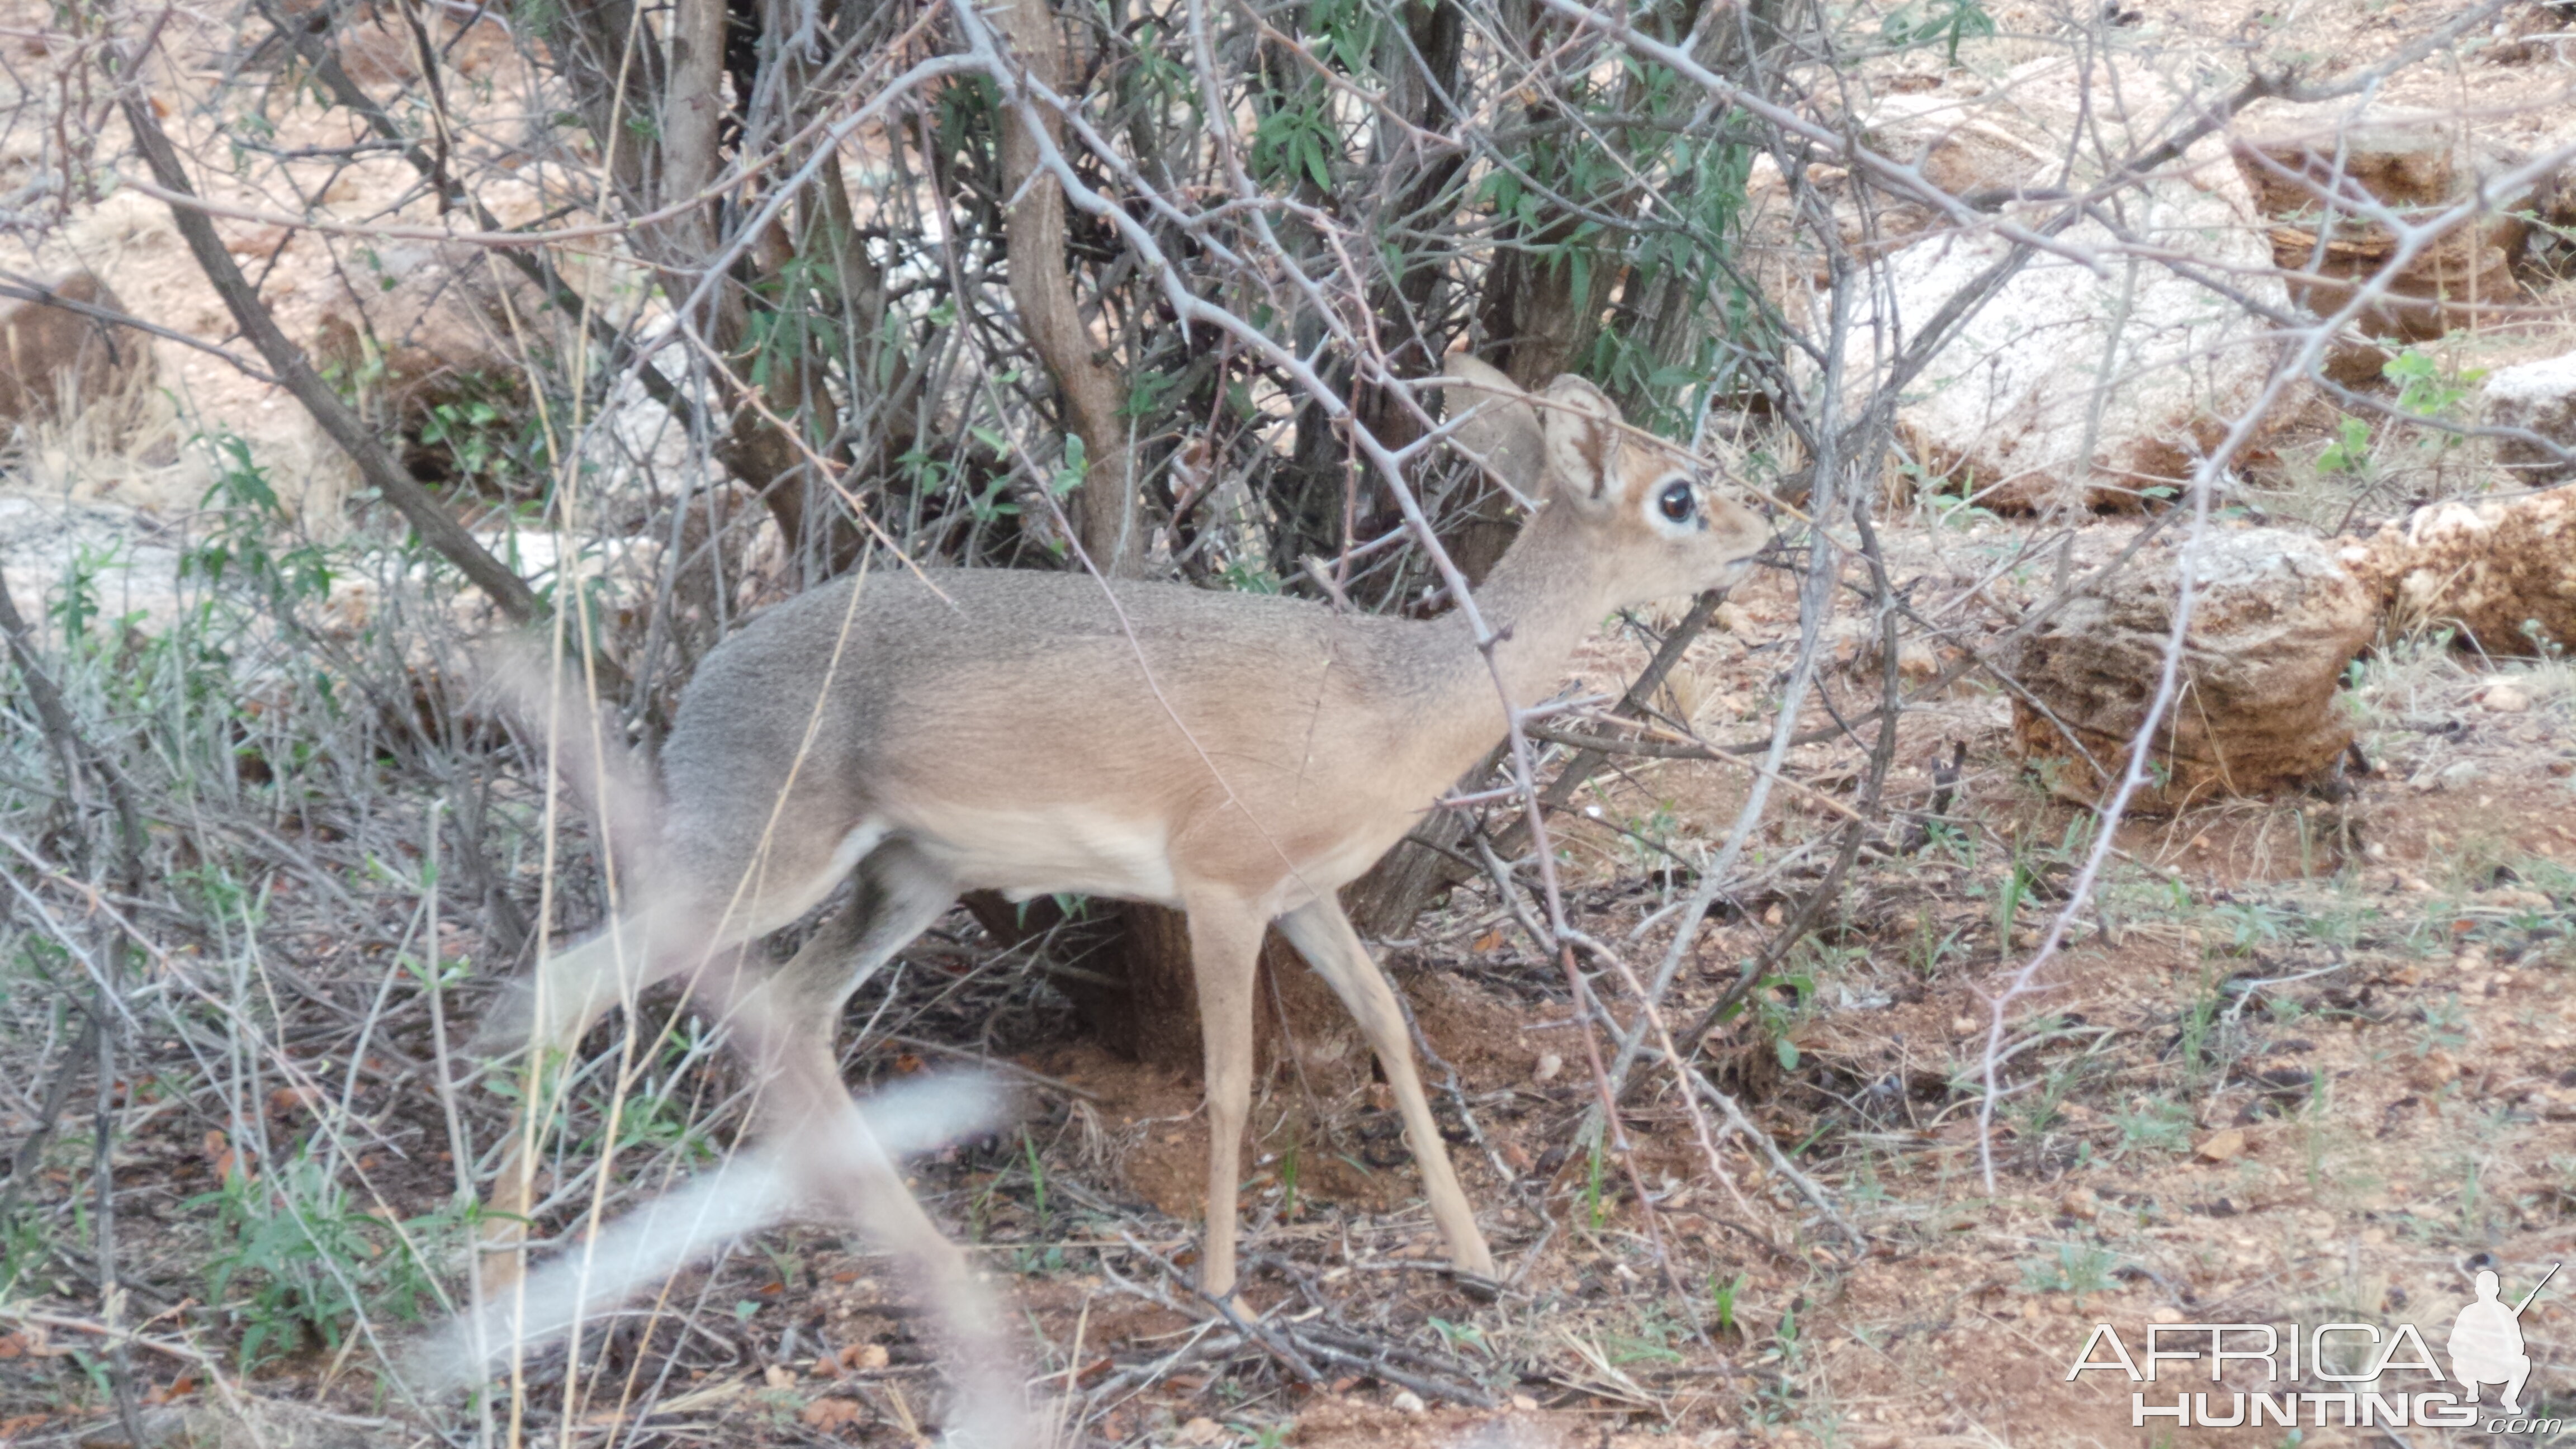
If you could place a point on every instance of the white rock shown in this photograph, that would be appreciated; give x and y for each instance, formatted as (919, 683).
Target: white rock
(1408, 1402)
(2541, 398)
(2071, 385)
(2072, 388)
(2505, 697)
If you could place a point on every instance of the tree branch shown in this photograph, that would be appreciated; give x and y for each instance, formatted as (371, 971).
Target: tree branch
(507, 590)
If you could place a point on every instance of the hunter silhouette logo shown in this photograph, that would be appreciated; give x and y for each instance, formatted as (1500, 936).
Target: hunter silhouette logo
(2486, 1341)
(2346, 1375)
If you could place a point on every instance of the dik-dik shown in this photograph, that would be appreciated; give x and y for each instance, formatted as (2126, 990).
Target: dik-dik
(1237, 756)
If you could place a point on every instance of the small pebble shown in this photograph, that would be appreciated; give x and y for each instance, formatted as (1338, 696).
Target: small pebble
(2506, 698)
(1550, 1066)
(1409, 1402)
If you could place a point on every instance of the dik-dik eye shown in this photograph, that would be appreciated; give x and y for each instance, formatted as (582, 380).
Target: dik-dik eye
(1677, 501)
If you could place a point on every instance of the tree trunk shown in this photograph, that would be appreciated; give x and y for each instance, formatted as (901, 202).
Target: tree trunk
(1104, 507)
(1162, 1009)
(771, 443)
(1407, 879)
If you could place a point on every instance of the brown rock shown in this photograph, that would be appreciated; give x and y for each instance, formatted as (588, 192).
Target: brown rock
(1864, 658)
(376, 44)
(2503, 573)
(2222, 1146)
(2330, 187)
(2399, 160)
(2275, 619)
(431, 316)
(2435, 1069)
(435, 327)
(55, 362)
(2355, 361)
(1969, 146)
(830, 1414)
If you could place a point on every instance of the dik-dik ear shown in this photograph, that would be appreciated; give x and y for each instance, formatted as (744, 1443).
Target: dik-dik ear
(1498, 426)
(1581, 426)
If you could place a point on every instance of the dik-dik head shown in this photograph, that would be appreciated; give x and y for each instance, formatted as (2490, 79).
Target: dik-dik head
(1645, 510)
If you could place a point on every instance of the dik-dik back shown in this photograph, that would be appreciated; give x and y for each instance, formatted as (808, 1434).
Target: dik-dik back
(1039, 738)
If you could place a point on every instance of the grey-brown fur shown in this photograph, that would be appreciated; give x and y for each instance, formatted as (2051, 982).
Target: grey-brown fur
(1238, 756)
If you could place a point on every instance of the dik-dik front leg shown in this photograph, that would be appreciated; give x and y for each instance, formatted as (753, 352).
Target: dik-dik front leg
(1225, 949)
(1323, 935)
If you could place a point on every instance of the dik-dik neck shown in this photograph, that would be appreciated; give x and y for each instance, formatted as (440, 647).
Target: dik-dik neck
(1542, 599)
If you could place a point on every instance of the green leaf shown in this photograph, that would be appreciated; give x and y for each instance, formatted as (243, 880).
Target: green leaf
(2350, 450)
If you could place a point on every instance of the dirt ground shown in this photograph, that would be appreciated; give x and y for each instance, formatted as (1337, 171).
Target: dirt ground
(2310, 1063)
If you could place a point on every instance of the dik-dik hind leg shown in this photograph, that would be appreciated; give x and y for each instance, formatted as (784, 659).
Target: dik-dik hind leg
(896, 894)
(571, 990)
(1323, 935)
(838, 1160)
(786, 1024)
(1225, 947)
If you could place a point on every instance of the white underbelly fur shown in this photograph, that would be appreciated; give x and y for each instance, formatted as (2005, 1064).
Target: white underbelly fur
(1069, 850)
